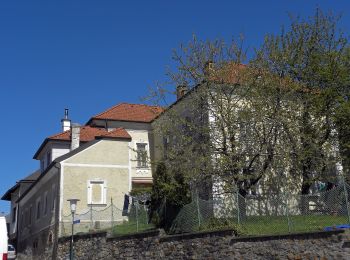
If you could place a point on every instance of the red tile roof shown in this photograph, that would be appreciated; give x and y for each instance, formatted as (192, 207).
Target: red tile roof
(130, 112)
(231, 73)
(88, 133)
(117, 133)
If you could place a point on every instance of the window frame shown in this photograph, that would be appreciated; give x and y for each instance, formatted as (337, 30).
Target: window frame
(42, 164)
(141, 156)
(103, 200)
(30, 214)
(14, 213)
(53, 198)
(45, 204)
(38, 209)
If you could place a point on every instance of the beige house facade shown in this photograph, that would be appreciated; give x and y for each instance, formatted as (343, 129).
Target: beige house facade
(98, 164)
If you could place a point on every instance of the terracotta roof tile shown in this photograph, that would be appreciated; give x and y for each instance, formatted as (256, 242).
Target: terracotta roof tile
(88, 133)
(231, 73)
(130, 112)
(117, 133)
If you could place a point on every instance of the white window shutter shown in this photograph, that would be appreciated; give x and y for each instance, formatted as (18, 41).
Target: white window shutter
(89, 192)
(104, 195)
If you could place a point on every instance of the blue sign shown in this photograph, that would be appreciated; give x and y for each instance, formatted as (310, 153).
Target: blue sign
(77, 221)
(331, 228)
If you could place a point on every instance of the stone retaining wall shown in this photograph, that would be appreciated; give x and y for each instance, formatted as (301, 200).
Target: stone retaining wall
(209, 245)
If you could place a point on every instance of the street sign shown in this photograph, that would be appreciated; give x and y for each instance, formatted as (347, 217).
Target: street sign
(77, 221)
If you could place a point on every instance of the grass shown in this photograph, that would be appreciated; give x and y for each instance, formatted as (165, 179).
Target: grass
(273, 225)
(251, 226)
(269, 225)
(131, 227)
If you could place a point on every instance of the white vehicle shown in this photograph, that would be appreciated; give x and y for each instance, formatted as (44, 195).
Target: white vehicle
(3, 238)
(11, 252)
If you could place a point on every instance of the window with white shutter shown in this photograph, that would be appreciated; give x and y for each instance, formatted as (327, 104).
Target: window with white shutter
(97, 191)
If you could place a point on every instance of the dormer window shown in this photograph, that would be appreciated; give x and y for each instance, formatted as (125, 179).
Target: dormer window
(38, 209)
(42, 165)
(48, 159)
(45, 161)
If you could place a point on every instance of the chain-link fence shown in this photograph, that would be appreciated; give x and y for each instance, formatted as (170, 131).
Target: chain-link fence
(111, 219)
(260, 215)
(250, 215)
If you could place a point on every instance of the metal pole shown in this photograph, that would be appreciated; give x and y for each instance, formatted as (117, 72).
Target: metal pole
(71, 255)
(137, 216)
(287, 212)
(165, 209)
(112, 214)
(346, 199)
(198, 212)
(238, 209)
(91, 220)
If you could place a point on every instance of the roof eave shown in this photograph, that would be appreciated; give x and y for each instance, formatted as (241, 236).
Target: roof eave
(128, 139)
(7, 195)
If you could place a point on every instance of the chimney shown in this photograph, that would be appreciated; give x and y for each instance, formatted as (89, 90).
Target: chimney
(208, 67)
(65, 121)
(75, 136)
(181, 90)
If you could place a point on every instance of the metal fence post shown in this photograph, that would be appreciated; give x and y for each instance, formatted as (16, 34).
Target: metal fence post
(287, 212)
(112, 220)
(91, 220)
(346, 199)
(165, 218)
(237, 204)
(137, 216)
(198, 212)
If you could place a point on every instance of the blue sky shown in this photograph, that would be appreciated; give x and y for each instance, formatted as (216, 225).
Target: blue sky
(91, 55)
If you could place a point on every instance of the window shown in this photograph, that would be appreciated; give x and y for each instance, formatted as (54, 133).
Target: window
(48, 159)
(97, 192)
(14, 211)
(42, 165)
(22, 220)
(30, 214)
(53, 197)
(38, 208)
(141, 155)
(35, 243)
(50, 238)
(26, 219)
(166, 141)
(45, 203)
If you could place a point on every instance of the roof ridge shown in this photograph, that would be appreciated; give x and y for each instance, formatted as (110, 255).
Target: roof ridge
(123, 103)
(140, 104)
(129, 112)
